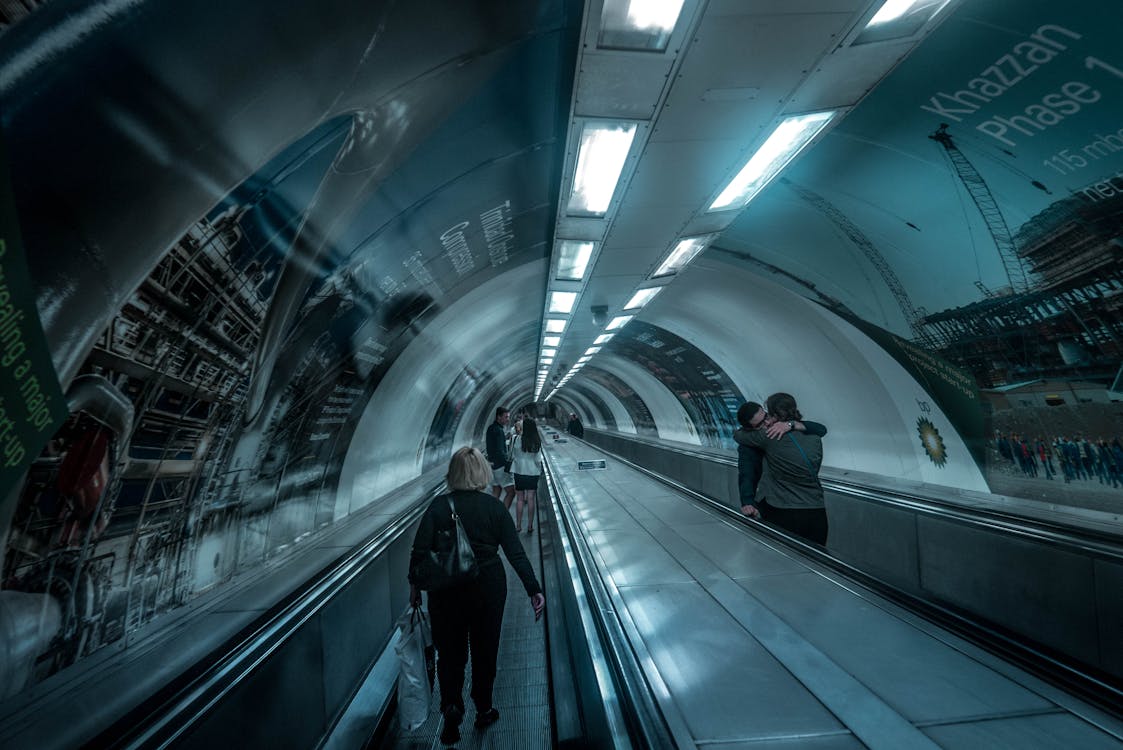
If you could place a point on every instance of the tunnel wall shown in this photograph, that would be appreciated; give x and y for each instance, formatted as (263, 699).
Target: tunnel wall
(389, 442)
(774, 340)
(667, 417)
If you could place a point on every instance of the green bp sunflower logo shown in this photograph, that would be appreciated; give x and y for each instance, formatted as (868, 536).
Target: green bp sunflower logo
(932, 442)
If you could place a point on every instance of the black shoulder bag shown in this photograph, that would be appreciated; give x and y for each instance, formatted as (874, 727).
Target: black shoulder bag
(451, 562)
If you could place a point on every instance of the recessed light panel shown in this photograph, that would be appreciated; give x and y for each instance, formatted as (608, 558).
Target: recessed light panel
(573, 259)
(618, 322)
(642, 297)
(786, 141)
(638, 24)
(683, 253)
(898, 19)
(562, 302)
(600, 160)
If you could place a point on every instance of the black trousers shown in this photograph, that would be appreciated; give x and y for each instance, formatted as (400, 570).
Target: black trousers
(469, 615)
(808, 523)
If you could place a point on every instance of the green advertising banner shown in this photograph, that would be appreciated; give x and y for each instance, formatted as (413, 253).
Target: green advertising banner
(32, 406)
(952, 388)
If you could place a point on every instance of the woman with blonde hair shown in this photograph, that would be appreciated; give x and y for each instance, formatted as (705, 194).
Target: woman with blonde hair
(526, 465)
(472, 611)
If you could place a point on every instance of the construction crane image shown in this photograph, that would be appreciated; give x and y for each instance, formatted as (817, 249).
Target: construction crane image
(912, 314)
(988, 207)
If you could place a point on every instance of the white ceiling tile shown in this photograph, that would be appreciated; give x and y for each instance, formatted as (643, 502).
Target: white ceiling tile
(643, 227)
(846, 76)
(625, 85)
(683, 173)
(723, 8)
(581, 228)
(771, 53)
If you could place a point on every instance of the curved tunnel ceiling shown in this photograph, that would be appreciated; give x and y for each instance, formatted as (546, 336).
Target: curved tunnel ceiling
(286, 259)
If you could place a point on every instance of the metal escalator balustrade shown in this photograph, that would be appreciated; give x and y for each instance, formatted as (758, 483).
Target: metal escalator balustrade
(170, 718)
(708, 608)
(632, 711)
(1089, 538)
(1048, 661)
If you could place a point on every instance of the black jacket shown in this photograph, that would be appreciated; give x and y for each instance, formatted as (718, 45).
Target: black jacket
(487, 524)
(496, 445)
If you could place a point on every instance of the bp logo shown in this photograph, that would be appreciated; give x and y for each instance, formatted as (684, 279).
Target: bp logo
(932, 442)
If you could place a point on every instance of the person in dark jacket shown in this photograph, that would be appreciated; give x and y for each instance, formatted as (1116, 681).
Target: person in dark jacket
(792, 497)
(575, 428)
(499, 457)
(750, 460)
(471, 612)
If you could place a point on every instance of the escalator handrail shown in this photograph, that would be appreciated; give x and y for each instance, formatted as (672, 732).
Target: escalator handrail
(613, 636)
(1053, 534)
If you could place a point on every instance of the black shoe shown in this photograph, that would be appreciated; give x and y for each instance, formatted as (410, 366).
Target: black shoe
(487, 718)
(450, 732)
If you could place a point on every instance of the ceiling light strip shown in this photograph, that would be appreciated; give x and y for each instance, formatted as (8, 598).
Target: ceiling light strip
(786, 142)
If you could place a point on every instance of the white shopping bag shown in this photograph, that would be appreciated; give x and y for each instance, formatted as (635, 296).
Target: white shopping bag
(415, 674)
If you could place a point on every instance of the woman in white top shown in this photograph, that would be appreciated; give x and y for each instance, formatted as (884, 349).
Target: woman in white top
(526, 465)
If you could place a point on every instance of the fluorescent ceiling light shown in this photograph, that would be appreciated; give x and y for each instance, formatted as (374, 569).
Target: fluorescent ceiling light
(786, 141)
(896, 10)
(551, 340)
(642, 297)
(573, 259)
(600, 160)
(638, 24)
(897, 19)
(562, 302)
(583, 360)
(683, 253)
(549, 352)
(547, 360)
(555, 325)
(603, 338)
(592, 350)
(619, 322)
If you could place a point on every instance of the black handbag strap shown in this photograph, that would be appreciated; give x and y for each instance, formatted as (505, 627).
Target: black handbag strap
(452, 509)
(456, 517)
